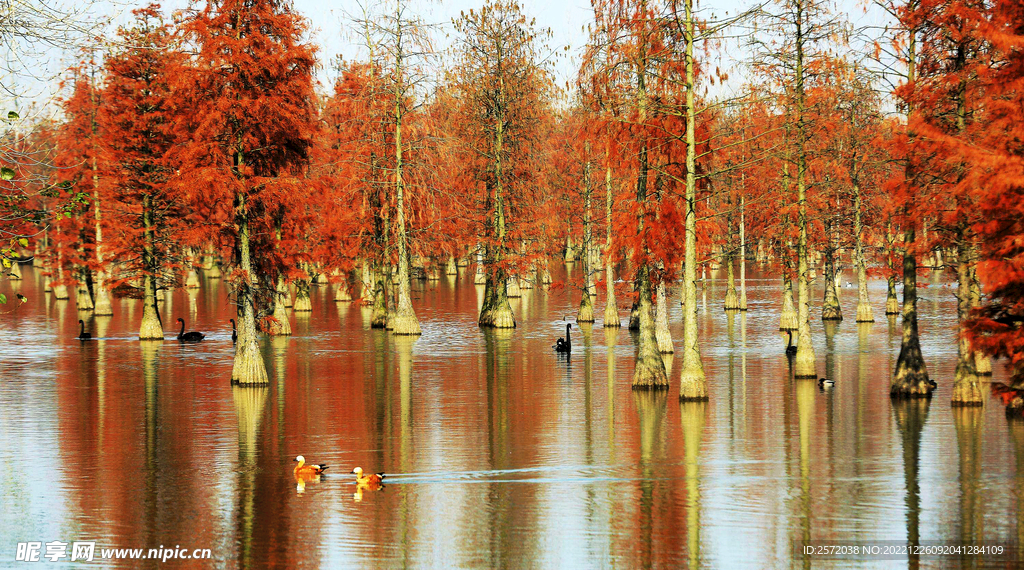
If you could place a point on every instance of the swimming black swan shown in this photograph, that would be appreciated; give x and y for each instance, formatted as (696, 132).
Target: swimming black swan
(191, 336)
(82, 335)
(790, 349)
(234, 333)
(564, 345)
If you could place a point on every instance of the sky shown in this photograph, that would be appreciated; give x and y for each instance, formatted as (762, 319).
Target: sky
(333, 30)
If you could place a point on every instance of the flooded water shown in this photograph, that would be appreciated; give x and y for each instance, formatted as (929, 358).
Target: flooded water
(498, 452)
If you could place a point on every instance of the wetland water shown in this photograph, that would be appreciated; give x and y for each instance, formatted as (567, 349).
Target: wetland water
(499, 453)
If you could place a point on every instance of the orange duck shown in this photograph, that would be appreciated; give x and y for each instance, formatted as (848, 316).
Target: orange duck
(303, 470)
(372, 481)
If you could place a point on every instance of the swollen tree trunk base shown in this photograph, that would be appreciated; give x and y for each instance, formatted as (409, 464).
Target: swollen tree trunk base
(892, 302)
(451, 268)
(732, 300)
(911, 377)
(804, 366)
(14, 273)
(498, 316)
(60, 292)
(586, 312)
(192, 279)
(611, 314)
(649, 373)
(692, 386)
(982, 364)
(404, 322)
(249, 367)
(512, 289)
(83, 299)
(302, 301)
(104, 307)
(788, 321)
(343, 295)
(967, 390)
(864, 313)
(151, 329)
(480, 278)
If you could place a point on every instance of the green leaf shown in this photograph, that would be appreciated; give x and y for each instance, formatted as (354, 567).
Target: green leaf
(23, 242)
(3, 298)
(12, 115)
(6, 173)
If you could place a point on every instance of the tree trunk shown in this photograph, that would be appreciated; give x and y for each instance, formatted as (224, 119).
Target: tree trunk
(743, 253)
(982, 362)
(864, 313)
(804, 366)
(692, 384)
(830, 308)
(403, 319)
(586, 312)
(248, 367)
(788, 319)
(910, 379)
(611, 309)
(732, 299)
(966, 386)
(151, 327)
(280, 326)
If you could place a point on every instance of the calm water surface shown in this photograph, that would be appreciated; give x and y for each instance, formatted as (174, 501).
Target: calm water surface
(498, 452)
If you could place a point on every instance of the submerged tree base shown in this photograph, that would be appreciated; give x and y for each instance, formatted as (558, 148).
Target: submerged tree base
(732, 300)
(249, 367)
(650, 374)
(499, 318)
(864, 313)
(892, 306)
(693, 387)
(405, 323)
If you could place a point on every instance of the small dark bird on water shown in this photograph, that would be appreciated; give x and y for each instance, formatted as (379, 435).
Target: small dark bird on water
(790, 347)
(82, 335)
(191, 336)
(234, 333)
(564, 345)
(826, 382)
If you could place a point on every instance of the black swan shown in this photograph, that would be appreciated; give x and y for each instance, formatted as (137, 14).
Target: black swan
(234, 333)
(564, 345)
(82, 335)
(790, 348)
(191, 336)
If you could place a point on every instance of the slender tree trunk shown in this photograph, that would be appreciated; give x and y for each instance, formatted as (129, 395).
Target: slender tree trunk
(151, 327)
(103, 305)
(830, 308)
(910, 379)
(649, 372)
(805, 366)
(966, 385)
(248, 367)
(982, 362)
(403, 320)
(281, 326)
(496, 311)
(743, 253)
(692, 384)
(586, 312)
(611, 309)
(661, 333)
(864, 314)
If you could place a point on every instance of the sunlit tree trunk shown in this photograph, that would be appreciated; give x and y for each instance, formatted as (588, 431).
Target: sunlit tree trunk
(611, 309)
(982, 362)
(830, 308)
(692, 385)
(496, 311)
(743, 252)
(804, 366)
(586, 312)
(966, 386)
(864, 313)
(151, 327)
(649, 372)
(248, 367)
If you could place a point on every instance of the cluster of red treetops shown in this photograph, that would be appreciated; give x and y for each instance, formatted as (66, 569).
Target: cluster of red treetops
(205, 143)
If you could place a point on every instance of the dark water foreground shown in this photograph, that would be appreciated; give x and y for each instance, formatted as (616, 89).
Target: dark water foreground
(500, 453)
